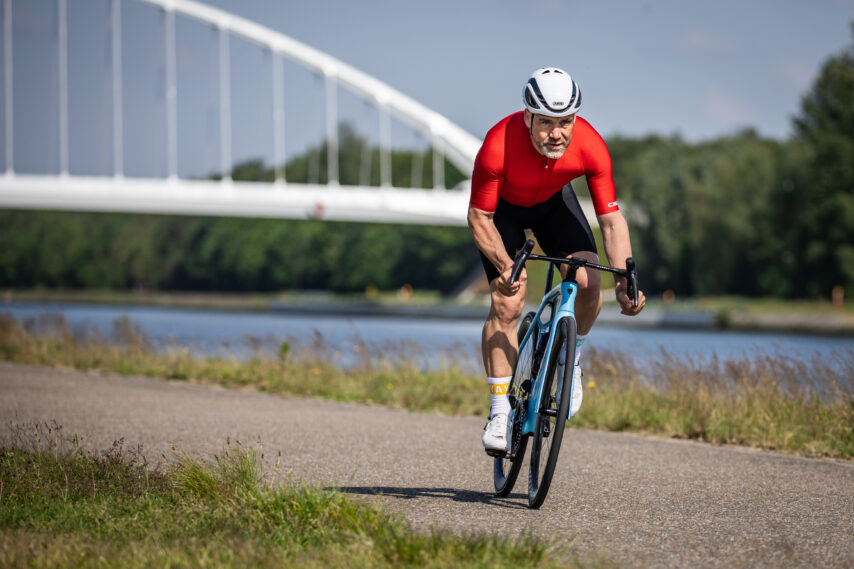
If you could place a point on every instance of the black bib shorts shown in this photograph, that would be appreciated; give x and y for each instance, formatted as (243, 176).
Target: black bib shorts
(558, 224)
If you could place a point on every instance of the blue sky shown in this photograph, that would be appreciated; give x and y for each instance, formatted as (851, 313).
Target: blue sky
(697, 69)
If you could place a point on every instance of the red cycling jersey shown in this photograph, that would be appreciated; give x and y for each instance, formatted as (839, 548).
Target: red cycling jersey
(508, 166)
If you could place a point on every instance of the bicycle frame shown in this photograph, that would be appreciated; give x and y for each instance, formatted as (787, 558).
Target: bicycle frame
(561, 299)
(541, 410)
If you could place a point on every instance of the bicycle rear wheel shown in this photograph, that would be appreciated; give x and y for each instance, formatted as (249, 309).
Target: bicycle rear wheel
(506, 469)
(553, 410)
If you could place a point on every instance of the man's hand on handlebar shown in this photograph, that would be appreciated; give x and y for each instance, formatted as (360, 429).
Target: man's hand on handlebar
(503, 279)
(626, 305)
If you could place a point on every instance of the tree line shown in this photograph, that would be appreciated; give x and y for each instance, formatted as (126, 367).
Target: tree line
(746, 215)
(740, 214)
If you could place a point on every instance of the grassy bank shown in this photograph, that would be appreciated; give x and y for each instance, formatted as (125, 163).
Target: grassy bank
(60, 508)
(778, 403)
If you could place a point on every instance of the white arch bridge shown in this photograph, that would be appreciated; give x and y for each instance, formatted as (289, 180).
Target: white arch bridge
(170, 193)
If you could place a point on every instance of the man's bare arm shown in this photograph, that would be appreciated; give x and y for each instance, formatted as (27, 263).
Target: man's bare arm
(488, 240)
(618, 247)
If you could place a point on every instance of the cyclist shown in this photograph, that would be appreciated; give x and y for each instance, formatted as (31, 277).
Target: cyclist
(521, 180)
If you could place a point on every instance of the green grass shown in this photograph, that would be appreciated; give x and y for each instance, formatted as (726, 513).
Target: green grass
(62, 508)
(778, 403)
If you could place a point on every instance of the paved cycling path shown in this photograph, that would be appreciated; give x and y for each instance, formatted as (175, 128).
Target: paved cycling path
(640, 501)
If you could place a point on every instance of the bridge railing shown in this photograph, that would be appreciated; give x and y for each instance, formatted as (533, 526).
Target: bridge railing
(226, 196)
(445, 138)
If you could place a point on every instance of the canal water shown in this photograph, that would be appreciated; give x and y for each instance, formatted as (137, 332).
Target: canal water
(424, 341)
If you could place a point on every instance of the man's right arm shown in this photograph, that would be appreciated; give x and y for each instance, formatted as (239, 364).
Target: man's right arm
(489, 241)
(485, 184)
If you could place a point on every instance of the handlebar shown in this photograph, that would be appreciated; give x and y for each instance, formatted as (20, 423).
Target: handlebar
(630, 272)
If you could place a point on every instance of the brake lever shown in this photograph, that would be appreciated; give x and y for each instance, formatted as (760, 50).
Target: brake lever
(519, 263)
(632, 281)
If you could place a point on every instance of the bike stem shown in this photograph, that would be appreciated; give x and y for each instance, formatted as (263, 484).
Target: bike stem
(570, 274)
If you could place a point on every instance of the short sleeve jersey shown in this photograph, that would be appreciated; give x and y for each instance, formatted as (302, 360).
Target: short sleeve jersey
(509, 167)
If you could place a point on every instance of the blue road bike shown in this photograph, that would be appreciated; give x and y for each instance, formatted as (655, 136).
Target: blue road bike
(541, 388)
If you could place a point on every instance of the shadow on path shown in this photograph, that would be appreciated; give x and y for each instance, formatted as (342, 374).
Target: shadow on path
(456, 495)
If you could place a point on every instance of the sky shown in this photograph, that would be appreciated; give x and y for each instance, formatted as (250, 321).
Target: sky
(699, 70)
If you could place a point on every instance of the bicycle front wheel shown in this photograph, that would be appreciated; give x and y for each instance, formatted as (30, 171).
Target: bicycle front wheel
(552, 413)
(506, 469)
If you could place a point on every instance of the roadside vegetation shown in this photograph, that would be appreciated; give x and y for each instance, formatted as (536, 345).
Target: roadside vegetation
(62, 508)
(777, 403)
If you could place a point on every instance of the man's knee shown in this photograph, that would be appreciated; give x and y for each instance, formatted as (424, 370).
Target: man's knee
(591, 282)
(588, 280)
(507, 309)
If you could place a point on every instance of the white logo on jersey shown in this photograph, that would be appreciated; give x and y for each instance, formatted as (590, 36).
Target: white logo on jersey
(613, 204)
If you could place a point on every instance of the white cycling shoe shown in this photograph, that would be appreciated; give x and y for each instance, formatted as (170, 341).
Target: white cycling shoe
(577, 395)
(496, 437)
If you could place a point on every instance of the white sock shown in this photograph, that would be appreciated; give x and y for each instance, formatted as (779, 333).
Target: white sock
(579, 343)
(500, 401)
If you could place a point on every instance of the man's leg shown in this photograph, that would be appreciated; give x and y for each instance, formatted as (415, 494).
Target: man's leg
(588, 303)
(566, 229)
(499, 344)
(500, 349)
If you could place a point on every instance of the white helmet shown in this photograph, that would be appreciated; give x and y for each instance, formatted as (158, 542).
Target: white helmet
(552, 92)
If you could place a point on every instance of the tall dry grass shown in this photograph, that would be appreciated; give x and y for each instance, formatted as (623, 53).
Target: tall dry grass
(766, 401)
(390, 375)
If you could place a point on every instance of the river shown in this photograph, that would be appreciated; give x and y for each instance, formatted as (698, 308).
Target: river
(426, 340)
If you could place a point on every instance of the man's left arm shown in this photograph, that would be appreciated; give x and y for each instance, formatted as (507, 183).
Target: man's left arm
(615, 235)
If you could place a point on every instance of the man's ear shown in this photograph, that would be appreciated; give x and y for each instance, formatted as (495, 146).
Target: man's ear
(528, 118)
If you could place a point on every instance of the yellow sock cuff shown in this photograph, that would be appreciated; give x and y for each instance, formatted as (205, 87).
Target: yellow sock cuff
(498, 385)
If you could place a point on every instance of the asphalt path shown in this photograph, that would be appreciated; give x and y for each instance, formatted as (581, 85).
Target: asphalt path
(638, 501)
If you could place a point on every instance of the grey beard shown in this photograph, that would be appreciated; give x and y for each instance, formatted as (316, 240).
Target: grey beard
(553, 154)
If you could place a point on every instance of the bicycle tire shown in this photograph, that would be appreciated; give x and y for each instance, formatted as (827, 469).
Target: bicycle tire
(506, 470)
(553, 410)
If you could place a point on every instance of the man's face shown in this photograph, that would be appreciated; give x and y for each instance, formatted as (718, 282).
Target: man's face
(550, 135)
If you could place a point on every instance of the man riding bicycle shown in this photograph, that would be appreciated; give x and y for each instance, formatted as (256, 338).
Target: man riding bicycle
(521, 180)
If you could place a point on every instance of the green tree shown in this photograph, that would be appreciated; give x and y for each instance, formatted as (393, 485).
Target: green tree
(826, 128)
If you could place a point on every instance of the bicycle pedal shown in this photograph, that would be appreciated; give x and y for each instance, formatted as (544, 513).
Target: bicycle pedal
(497, 453)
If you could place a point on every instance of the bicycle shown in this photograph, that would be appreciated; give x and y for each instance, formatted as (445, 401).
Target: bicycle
(541, 395)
